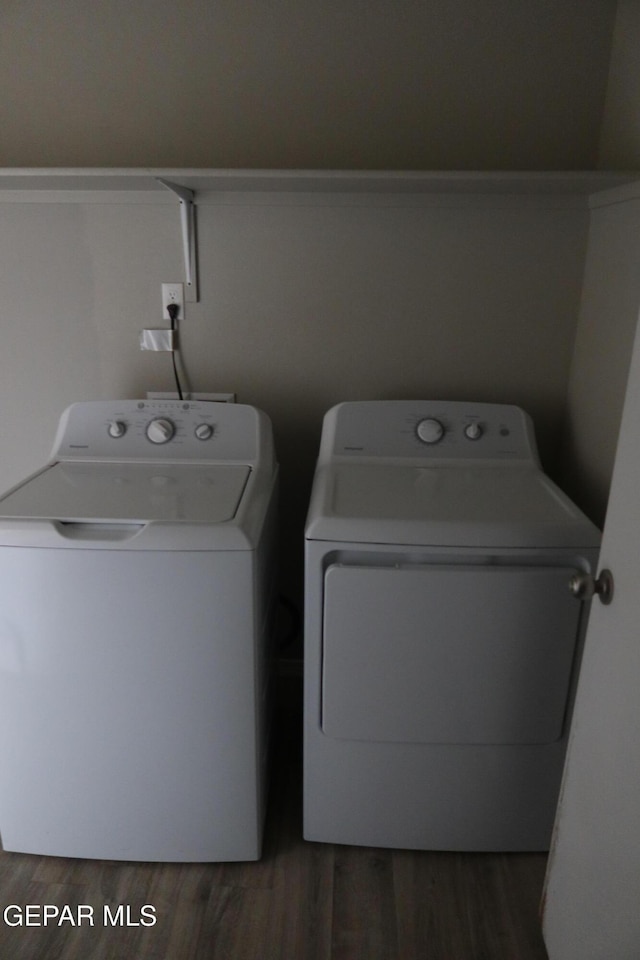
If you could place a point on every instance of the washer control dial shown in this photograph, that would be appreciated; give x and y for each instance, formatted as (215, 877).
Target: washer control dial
(473, 431)
(204, 431)
(160, 430)
(117, 428)
(430, 430)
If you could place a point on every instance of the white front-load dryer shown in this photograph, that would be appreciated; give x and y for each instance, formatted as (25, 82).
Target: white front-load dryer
(137, 578)
(442, 641)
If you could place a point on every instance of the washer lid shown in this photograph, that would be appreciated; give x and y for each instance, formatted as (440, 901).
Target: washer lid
(484, 505)
(129, 493)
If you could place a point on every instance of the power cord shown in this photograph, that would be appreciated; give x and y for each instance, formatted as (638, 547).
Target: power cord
(172, 310)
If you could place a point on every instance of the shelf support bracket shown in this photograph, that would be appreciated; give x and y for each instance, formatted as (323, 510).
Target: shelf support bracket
(188, 226)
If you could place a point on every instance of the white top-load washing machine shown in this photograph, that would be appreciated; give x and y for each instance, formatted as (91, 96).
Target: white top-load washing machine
(136, 589)
(441, 638)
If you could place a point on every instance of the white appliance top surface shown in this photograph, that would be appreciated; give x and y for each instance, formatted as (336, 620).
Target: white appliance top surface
(129, 492)
(148, 475)
(513, 506)
(386, 475)
(444, 494)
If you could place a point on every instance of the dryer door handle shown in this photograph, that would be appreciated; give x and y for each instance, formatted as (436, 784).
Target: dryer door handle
(584, 586)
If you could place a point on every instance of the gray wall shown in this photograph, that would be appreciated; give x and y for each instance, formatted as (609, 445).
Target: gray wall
(602, 352)
(611, 295)
(620, 136)
(298, 83)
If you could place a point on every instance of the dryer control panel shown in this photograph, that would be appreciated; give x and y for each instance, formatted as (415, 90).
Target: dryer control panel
(428, 430)
(166, 430)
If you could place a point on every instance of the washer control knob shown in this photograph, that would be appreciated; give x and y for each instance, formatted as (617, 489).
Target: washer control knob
(430, 430)
(160, 430)
(117, 428)
(204, 431)
(473, 431)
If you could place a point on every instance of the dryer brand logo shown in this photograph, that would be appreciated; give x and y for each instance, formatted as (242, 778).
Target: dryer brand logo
(78, 915)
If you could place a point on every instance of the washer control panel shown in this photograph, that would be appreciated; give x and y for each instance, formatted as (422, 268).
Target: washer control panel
(160, 430)
(428, 430)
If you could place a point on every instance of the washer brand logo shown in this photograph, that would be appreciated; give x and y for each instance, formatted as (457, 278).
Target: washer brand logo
(81, 914)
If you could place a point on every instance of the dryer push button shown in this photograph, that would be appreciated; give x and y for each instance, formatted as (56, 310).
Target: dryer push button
(473, 431)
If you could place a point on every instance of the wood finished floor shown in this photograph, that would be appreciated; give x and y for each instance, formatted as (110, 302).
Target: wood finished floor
(302, 901)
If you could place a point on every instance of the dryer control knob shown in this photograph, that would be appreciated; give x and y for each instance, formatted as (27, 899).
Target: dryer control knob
(117, 428)
(430, 430)
(160, 431)
(473, 431)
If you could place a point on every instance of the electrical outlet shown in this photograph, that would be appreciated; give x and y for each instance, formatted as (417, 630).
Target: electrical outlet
(173, 293)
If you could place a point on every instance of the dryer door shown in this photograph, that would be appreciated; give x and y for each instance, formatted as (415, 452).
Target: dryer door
(447, 653)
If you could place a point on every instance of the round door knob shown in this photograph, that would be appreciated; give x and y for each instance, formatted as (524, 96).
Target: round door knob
(204, 431)
(117, 428)
(430, 430)
(160, 430)
(584, 586)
